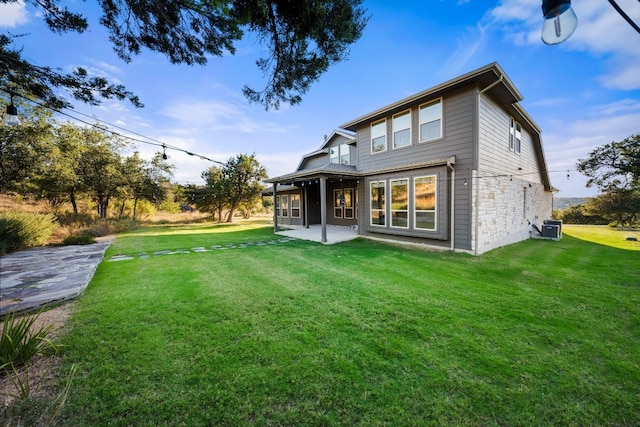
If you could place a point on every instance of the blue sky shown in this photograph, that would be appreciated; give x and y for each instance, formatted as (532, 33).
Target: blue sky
(582, 93)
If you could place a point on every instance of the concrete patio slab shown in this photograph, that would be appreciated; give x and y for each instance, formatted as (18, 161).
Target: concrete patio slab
(335, 233)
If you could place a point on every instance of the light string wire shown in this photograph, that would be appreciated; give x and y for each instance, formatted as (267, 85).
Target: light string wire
(154, 142)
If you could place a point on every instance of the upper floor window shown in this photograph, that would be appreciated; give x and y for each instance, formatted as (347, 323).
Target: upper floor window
(402, 129)
(515, 135)
(379, 136)
(431, 121)
(340, 154)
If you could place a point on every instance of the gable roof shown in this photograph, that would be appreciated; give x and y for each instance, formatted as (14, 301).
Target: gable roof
(324, 149)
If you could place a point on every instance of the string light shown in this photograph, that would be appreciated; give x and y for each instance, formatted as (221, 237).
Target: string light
(154, 142)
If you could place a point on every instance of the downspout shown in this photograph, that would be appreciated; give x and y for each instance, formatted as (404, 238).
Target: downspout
(275, 207)
(453, 203)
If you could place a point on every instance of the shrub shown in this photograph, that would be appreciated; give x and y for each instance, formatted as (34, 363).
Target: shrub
(170, 207)
(106, 227)
(579, 215)
(21, 341)
(79, 239)
(19, 230)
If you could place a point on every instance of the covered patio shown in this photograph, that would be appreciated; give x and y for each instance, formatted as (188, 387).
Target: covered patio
(334, 233)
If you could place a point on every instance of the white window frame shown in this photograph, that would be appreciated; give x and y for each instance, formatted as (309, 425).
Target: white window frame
(284, 206)
(382, 211)
(345, 153)
(340, 155)
(334, 154)
(340, 211)
(416, 211)
(515, 136)
(295, 198)
(405, 182)
(397, 129)
(422, 121)
(382, 122)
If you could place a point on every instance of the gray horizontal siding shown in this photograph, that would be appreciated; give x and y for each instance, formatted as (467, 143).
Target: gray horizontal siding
(459, 130)
(315, 162)
(458, 119)
(322, 160)
(494, 145)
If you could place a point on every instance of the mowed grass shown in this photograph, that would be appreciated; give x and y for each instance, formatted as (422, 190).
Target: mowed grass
(358, 333)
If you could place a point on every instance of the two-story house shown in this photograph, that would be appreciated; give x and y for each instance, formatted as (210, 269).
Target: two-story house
(459, 166)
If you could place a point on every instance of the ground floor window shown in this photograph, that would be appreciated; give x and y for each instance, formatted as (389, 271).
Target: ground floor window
(400, 203)
(343, 203)
(410, 202)
(283, 203)
(295, 206)
(378, 203)
(425, 202)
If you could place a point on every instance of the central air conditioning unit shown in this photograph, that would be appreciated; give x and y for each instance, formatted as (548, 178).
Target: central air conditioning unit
(556, 222)
(551, 231)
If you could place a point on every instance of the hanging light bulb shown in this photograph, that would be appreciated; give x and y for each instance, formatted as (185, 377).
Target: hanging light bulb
(11, 116)
(560, 21)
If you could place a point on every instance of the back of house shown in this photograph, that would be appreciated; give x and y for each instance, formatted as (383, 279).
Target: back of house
(459, 166)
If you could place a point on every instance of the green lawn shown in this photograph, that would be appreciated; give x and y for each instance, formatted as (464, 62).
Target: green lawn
(359, 333)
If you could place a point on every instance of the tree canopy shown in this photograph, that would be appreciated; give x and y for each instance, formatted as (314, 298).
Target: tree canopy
(614, 169)
(234, 185)
(614, 166)
(303, 39)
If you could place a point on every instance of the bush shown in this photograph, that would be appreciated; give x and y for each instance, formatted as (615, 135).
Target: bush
(21, 341)
(80, 239)
(170, 207)
(20, 230)
(579, 215)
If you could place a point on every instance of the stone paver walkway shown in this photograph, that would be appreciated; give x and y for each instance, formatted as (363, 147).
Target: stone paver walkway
(38, 277)
(145, 255)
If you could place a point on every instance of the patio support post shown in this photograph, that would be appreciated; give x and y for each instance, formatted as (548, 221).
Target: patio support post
(305, 192)
(275, 207)
(323, 207)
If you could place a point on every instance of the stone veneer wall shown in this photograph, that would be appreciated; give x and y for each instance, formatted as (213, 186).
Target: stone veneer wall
(504, 208)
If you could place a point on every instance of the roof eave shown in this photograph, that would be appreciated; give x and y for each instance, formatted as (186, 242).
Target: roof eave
(464, 79)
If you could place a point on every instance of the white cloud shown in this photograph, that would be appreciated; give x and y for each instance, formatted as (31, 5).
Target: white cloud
(100, 69)
(218, 115)
(601, 32)
(13, 14)
(567, 142)
(469, 43)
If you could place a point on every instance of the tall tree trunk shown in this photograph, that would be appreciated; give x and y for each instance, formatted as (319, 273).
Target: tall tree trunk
(135, 207)
(74, 204)
(230, 215)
